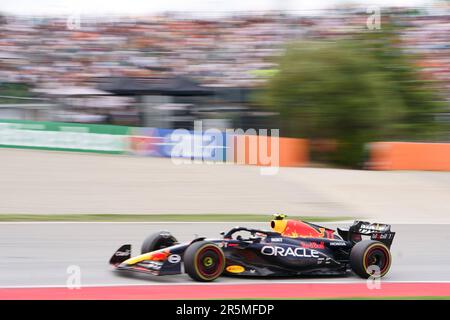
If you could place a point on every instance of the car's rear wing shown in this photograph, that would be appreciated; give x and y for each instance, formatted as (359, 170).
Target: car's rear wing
(376, 231)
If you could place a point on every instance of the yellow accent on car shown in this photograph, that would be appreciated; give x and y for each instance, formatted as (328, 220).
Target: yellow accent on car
(196, 266)
(235, 269)
(208, 261)
(142, 257)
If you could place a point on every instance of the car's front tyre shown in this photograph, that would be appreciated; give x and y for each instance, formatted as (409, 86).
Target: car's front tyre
(158, 241)
(204, 261)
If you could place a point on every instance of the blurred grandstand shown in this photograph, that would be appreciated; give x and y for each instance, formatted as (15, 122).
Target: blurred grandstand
(165, 71)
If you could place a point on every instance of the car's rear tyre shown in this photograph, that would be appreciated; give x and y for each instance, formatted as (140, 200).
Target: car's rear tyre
(204, 261)
(370, 258)
(158, 241)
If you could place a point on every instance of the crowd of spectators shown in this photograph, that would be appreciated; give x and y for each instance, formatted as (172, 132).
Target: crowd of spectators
(233, 51)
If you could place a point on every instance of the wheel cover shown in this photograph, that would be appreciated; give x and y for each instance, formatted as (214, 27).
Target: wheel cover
(209, 262)
(379, 256)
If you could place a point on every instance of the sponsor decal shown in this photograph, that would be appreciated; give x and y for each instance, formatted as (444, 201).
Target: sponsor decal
(151, 264)
(123, 253)
(329, 234)
(337, 244)
(368, 228)
(174, 258)
(235, 269)
(56, 136)
(326, 260)
(276, 239)
(382, 236)
(301, 229)
(144, 145)
(289, 252)
(158, 256)
(297, 229)
(312, 245)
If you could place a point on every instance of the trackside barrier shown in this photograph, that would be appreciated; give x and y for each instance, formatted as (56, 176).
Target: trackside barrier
(262, 151)
(241, 149)
(154, 142)
(409, 156)
(63, 136)
(210, 145)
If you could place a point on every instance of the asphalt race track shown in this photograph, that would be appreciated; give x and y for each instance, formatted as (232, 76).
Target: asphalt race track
(39, 254)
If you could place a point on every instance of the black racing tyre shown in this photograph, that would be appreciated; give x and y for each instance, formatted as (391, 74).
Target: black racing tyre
(204, 261)
(370, 258)
(158, 241)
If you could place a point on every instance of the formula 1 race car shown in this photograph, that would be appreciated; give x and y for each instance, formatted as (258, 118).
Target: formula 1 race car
(291, 248)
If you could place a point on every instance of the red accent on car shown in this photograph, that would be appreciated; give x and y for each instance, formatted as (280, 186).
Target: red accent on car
(312, 245)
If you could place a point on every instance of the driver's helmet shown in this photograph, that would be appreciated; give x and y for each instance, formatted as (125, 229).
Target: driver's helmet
(279, 216)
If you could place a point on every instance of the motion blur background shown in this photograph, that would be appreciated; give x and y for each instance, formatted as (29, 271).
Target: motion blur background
(337, 77)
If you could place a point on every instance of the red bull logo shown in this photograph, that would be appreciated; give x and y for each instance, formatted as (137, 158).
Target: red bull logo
(312, 245)
(300, 229)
